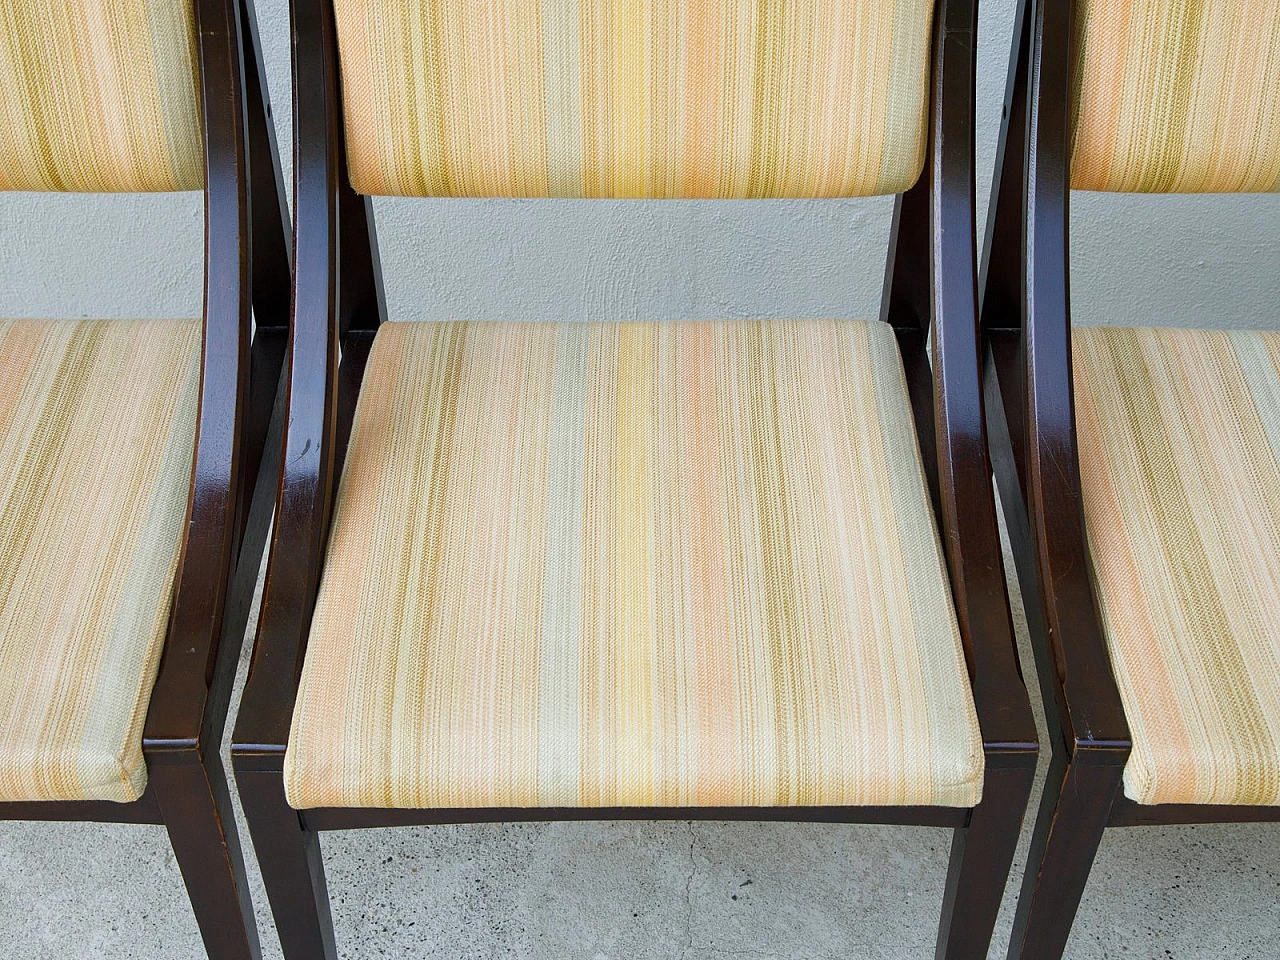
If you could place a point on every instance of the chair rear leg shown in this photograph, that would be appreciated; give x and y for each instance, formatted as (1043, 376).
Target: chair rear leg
(292, 869)
(196, 806)
(1074, 810)
(981, 854)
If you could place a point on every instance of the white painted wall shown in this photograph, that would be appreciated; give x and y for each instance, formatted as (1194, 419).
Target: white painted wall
(1208, 261)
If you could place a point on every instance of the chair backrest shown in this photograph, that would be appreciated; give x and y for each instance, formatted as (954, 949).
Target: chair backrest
(635, 98)
(1176, 96)
(99, 96)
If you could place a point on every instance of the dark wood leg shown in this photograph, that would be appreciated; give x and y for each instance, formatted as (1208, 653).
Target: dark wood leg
(981, 853)
(292, 870)
(196, 806)
(1074, 810)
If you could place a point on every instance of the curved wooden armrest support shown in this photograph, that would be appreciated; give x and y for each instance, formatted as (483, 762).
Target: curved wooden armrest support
(177, 716)
(970, 533)
(1026, 293)
(934, 224)
(310, 461)
(1088, 700)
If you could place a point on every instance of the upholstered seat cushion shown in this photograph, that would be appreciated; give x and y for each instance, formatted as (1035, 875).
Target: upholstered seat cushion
(630, 565)
(1179, 438)
(97, 420)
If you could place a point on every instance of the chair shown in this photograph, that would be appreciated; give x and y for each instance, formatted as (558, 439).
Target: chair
(1137, 466)
(541, 571)
(138, 458)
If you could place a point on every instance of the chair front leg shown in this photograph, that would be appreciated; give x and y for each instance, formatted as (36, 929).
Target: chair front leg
(981, 854)
(292, 869)
(196, 806)
(1078, 795)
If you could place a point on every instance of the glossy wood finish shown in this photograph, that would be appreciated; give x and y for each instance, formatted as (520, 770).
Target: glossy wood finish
(338, 304)
(247, 268)
(1025, 314)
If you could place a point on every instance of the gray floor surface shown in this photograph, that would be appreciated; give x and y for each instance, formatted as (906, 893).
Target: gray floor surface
(635, 891)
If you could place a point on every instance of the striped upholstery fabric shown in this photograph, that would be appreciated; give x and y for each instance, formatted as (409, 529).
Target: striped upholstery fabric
(99, 95)
(631, 565)
(1176, 96)
(97, 420)
(635, 98)
(1179, 434)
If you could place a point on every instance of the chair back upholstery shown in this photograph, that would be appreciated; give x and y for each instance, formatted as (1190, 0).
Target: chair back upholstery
(634, 98)
(1176, 96)
(99, 96)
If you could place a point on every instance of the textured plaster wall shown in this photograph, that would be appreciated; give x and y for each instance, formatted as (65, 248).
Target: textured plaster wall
(1208, 261)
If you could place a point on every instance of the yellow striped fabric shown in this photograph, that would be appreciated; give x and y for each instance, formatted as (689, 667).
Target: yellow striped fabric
(635, 98)
(1179, 434)
(1176, 96)
(99, 96)
(631, 565)
(97, 420)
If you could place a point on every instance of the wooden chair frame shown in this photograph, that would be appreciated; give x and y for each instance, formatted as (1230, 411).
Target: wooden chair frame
(338, 305)
(247, 264)
(1026, 315)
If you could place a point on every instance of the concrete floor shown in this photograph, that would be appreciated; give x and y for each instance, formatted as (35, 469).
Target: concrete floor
(634, 891)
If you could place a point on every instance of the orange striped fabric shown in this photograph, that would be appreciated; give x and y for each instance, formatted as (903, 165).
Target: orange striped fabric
(631, 565)
(99, 96)
(635, 98)
(97, 427)
(1176, 96)
(1179, 434)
